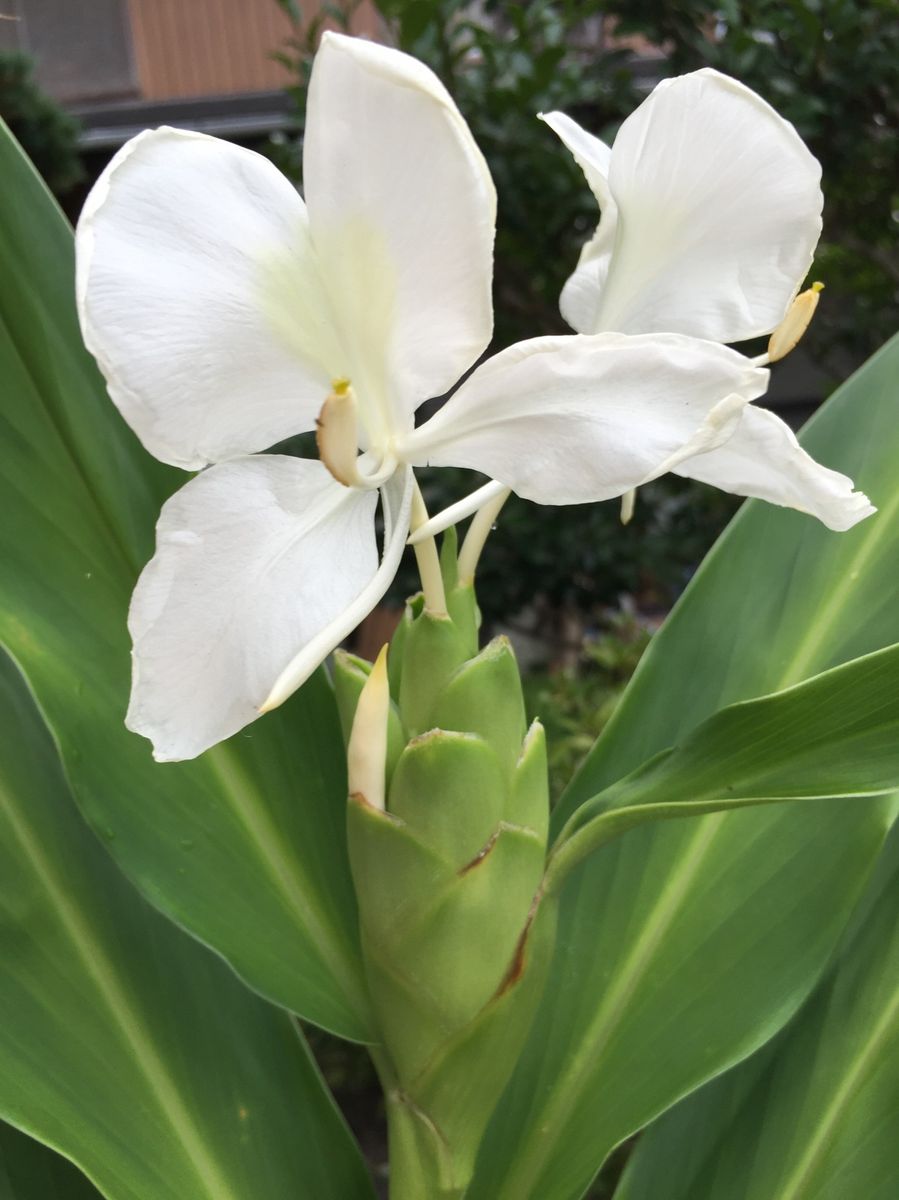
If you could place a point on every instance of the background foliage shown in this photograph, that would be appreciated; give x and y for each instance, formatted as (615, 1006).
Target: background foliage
(504, 62)
(46, 132)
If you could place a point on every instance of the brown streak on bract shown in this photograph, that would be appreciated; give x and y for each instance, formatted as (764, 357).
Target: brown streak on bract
(481, 854)
(360, 799)
(519, 958)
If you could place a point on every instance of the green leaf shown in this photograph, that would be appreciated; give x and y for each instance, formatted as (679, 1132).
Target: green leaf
(32, 1171)
(836, 735)
(685, 946)
(124, 1044)
(244, 847)
(813, 1116)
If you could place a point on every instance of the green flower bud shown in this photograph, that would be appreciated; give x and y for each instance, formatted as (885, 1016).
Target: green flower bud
(528, 801)
(456, 933)
(433, 648)
(461, 603)
(484, 696)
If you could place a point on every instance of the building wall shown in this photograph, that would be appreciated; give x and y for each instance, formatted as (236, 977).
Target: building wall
(82, 52)
(207, 47)
(94, 51)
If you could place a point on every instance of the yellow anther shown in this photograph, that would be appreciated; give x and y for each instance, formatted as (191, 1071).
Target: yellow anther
(337, 433)
(799, 315)
(367, 747)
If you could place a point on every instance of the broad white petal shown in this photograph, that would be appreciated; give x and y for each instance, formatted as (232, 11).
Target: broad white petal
(763, 459)
(256, 561)
(719, 211)
(580, 299)
(396, 506)
(402, 211)
(565, 420)
(190, 251)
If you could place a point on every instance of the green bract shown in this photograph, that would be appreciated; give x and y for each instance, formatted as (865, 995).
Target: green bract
(456, 938)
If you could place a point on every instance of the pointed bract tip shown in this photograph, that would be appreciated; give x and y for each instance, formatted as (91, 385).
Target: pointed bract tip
(367, 747)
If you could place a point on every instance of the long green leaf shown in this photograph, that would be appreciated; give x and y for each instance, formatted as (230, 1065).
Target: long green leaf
(814, 1116)
(125, 1044)
(32, 1171)
(246, 847)
(686, 945)
(836, 735)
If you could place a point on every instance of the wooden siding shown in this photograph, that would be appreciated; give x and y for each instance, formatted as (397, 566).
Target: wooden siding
(75, 58)
(207, 47)
(188, 48)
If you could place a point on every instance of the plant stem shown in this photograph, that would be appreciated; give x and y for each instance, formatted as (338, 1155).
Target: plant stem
(421, 1165)
(478, 532)
(428, 559)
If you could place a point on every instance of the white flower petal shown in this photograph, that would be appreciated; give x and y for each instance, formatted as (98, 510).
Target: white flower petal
(396, 505)
(763, 459)
(257, 560)
(189, 251)
(566, 420)
(402, 211)
(718, 214)
(580, 299)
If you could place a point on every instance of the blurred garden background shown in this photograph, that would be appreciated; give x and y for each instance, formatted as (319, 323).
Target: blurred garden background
(579, 592)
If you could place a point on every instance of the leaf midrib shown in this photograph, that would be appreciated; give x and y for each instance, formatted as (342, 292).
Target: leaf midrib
(804, 656)
(113, 993)
(254, 817)
(794, 672)
(283, 868)
(852, 1079)
(565, 1097)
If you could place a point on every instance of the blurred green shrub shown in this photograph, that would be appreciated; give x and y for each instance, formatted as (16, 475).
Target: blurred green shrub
(574, 704)
(579, 558)
(48, 135)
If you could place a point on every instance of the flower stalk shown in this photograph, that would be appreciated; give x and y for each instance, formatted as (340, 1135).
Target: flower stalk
(478, 531)
(428, 559)
(456, 942)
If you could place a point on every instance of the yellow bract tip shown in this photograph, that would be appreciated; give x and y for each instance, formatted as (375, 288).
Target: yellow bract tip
(379, 670)
(367, 747)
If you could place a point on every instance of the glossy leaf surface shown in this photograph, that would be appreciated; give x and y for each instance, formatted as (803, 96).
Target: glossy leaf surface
(813, 1116)
(246, 846)
(125, 1044)
(836, 735)
(684, 946)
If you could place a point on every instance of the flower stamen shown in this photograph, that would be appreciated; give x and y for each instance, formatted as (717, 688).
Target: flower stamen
(791, 329)
(337, 433)
(337, 437)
